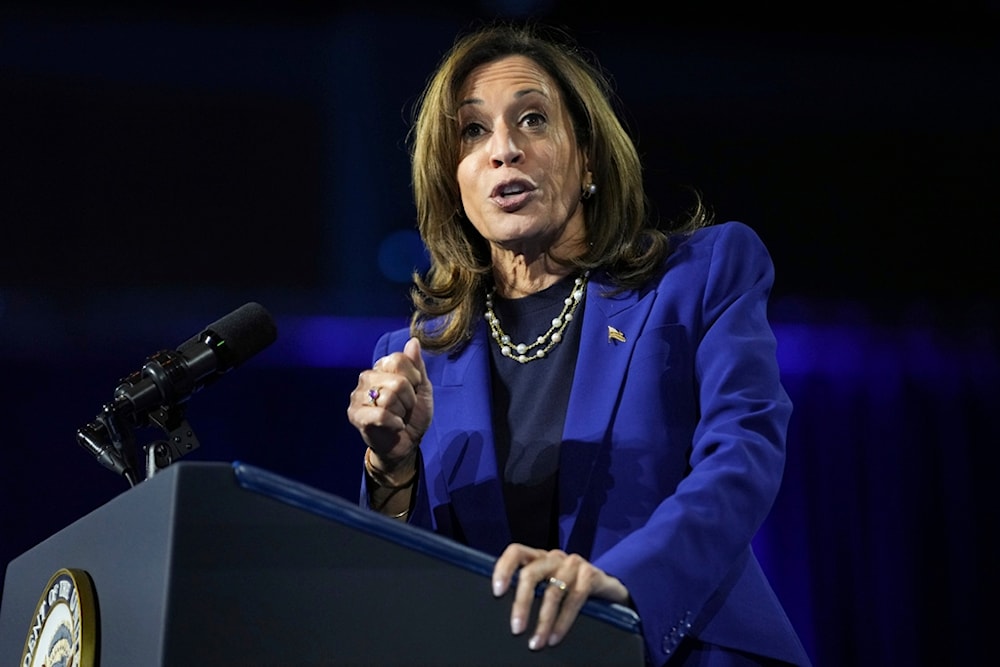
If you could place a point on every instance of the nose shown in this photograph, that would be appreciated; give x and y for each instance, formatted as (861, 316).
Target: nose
(503, 147)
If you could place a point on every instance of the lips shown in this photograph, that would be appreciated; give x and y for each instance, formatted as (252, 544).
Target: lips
(512, 195)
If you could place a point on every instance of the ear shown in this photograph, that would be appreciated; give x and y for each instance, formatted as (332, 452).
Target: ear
(587, 179)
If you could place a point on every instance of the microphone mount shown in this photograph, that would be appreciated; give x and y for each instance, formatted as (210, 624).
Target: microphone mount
(111, 437)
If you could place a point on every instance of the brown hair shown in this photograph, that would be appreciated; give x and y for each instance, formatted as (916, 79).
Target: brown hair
(449, 297)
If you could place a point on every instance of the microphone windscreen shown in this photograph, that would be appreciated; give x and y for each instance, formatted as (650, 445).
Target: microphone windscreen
(245, 332)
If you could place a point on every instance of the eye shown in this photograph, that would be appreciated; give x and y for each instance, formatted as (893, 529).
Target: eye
(472, 131)
(533, 119)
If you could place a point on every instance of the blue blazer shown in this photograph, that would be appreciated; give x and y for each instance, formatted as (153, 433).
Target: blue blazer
(672, 452)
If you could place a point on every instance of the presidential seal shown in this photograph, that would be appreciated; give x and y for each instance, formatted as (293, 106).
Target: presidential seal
(63, 630)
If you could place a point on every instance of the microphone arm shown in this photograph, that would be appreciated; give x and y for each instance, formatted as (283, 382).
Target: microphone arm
(111, 442)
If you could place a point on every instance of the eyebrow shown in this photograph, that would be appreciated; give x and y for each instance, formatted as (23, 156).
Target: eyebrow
(519, 94)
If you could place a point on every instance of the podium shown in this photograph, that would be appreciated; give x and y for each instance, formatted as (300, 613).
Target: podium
(229, 564)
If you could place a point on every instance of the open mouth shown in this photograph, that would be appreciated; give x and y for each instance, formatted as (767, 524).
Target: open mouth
(512, 195)
(512, 189)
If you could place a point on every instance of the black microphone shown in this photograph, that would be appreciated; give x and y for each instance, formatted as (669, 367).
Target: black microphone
(154, 395)
(170, 377)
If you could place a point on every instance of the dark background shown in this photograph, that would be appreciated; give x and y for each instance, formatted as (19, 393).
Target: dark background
(161, 167)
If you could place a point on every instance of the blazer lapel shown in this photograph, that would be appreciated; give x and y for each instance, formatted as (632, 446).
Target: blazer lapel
(464, 421)
(611, 325)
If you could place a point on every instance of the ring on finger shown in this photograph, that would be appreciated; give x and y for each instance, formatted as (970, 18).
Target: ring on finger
(373, 395)
(558, 583)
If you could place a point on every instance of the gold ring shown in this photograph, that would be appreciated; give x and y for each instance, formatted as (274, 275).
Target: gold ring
(558, 583)
(373, 395)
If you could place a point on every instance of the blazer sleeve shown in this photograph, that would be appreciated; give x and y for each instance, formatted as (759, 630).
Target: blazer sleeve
(695, 547)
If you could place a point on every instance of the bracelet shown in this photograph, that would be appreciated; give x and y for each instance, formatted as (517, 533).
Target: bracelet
(378, 507)
(379, 477)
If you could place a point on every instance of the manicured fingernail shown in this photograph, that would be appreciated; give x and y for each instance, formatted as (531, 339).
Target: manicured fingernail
(516, 625)
(497, 587)
(554, 639)
(535, 643)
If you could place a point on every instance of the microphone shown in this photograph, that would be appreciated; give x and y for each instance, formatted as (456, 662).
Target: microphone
(154, 395)
(170, 377)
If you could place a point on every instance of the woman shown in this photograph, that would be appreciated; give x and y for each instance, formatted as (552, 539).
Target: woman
(591, 399)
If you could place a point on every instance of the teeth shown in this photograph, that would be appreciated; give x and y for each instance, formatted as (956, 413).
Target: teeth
(512, 190)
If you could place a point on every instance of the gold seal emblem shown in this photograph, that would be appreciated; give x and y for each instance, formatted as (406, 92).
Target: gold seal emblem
(63, 631)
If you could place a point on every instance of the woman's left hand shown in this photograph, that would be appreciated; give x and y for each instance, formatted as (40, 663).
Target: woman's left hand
(570, 580)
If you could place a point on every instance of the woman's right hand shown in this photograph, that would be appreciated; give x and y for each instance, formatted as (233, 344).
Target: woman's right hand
(392, 406)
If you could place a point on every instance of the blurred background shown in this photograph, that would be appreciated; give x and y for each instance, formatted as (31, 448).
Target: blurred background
(160, 168)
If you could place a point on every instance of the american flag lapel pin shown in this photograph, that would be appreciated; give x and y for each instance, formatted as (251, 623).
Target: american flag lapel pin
(615, 334)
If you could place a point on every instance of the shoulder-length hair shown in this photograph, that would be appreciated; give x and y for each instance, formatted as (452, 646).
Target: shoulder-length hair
(449, 296)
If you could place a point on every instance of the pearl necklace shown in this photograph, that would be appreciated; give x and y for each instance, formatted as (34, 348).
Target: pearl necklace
(525, 352)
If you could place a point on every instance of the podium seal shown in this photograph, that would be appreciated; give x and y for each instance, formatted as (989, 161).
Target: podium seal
(63, 629)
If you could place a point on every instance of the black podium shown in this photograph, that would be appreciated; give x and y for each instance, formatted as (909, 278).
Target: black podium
(228, 564)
